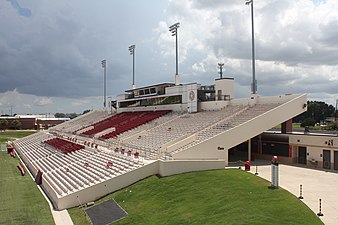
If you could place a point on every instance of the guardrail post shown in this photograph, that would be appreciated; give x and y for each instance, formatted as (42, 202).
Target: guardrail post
(301, 192)
(320, 208)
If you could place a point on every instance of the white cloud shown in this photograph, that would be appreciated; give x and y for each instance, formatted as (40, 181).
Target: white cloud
(42, 101)
(88, 101)
(52, 58)
(27, 106)
(296, 43)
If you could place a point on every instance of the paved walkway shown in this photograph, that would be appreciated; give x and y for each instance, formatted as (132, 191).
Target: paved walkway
(317, 184)
(61, 217)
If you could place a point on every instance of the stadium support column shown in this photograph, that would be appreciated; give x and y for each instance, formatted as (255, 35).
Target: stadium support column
(249, 149)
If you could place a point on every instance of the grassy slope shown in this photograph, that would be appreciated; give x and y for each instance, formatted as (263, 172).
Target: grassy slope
(20, 200)
(210, 197)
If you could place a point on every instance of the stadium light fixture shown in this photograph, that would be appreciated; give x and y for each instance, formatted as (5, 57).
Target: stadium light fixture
(335, 115)
(132, 52)
(220, 65)
(104, 66)
(173, 29)
(254, 82)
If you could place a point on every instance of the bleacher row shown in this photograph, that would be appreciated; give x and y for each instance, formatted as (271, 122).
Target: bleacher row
(123, 122)
(178, 128)
(145, 132)
(171, 127)
(71, 172)
(82, 121)
(239, 116)
(64, 145)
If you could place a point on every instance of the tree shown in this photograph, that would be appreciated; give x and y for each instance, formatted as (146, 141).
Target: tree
(3, 124)
(71, 115)
(333, 126)
(16, 124)
(86, 111)
(316, 110)
(59, 115)
(308, 122)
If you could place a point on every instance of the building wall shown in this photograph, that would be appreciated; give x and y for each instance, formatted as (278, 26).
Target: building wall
(26, 123)
(315, 144)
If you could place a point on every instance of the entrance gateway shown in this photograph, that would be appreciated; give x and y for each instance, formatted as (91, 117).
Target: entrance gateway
(326, 159)
(335, 160)
(302, 155)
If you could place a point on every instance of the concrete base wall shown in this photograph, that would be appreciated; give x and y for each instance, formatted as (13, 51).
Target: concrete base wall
(168, 168)
(92, 193)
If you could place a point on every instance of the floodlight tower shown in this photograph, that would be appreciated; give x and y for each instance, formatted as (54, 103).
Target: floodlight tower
(132, 52)
(220, 65)
(254, 82)
(173, 29)
(104, 66)
(335, 114)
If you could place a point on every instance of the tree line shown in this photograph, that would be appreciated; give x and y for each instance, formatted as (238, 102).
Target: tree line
(318, 113)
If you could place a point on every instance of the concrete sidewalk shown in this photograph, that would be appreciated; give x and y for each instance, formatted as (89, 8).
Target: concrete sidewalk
(317, 184)
(61, 217)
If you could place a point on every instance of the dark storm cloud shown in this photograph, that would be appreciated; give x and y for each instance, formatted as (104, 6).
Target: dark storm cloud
(54, 55)
(58, 50)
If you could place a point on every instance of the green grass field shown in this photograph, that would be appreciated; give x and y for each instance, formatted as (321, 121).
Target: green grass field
(228, 196)
(294, 125)
(12, 135)
(20, 200)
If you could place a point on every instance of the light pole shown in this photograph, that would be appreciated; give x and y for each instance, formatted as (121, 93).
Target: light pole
(220, 65)
(335, 115)
(173, 29)
(254, 82)
(132, 52)
(104, 66)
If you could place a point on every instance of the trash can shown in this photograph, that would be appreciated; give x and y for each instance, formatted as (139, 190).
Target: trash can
(247, 165)
(274, 172)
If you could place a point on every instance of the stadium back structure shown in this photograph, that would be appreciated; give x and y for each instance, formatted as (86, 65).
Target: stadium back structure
(161, 129)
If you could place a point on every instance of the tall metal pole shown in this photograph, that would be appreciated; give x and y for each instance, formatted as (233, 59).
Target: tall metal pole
(104, 66)
(132, 52)
(173, 29)
(335, 115)
(176, 52)
(221, 69)
(254, 84)
(133, 69)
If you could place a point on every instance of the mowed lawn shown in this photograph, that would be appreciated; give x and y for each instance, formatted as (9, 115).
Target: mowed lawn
(20, 200)
(229, 196)
(11, 135)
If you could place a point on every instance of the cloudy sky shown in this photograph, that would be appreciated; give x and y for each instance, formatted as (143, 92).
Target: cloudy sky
(51, 51)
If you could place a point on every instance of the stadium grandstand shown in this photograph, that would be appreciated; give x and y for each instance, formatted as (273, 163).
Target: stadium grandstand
(161, 129)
